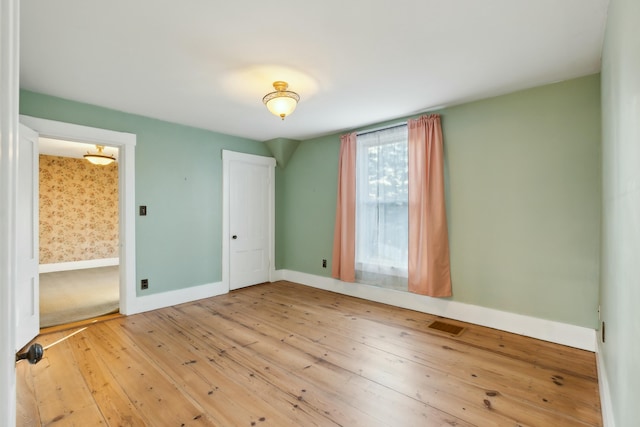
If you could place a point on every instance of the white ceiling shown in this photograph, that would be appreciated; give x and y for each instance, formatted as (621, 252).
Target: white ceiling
(208, 63)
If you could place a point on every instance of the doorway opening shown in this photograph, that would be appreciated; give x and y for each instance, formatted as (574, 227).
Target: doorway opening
(79, 233)
(125, 144)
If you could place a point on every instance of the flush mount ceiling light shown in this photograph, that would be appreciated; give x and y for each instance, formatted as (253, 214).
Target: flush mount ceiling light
(100, 158)
(282, 102)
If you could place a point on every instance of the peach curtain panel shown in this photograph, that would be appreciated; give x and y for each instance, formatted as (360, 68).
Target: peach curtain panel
(344, 238)
(429, 269)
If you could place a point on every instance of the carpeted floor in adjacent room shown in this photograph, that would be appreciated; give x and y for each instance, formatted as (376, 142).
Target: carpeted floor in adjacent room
(70, 296)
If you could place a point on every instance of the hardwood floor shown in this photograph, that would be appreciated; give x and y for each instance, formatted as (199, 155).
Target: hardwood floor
(283, 354)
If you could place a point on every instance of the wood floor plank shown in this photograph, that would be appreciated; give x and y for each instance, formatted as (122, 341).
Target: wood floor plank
(448, 393)
(580, 371)
(230, 391)
(505, 374)
(27, 412)
(153, 394)
(62, 394)
(500, 342)
(112, 400)
(283, 354)
(289, 371)
(368, 393)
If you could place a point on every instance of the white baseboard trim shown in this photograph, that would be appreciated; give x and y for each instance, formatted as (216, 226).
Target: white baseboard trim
(77, 265)
(606, 404)
(277, 275)
(180, 296)
(547, 330)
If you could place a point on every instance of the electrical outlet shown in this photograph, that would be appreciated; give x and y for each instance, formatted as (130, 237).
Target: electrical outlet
(143, 210)
(144, 284)
(324, 263)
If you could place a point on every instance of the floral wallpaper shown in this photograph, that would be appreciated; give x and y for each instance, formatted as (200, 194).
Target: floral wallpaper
(78, 210)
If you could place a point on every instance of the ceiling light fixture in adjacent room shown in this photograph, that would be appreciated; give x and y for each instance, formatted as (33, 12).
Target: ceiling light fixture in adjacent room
(100, 158)
(282, 102)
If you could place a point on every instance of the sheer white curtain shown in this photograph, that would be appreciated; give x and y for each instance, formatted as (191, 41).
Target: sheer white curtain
(382, 208)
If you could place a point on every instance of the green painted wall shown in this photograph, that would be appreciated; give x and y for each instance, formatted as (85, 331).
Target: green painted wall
(179, 178)
(524, 178)
(282, 149)
(523, 192)
(306, 206)
(620, 279)
(523, 199)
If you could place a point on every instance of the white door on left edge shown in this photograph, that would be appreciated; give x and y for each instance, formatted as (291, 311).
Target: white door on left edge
(27, 247)
(250, 213)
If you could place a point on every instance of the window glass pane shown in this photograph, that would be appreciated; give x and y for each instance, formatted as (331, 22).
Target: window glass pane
(382, 205)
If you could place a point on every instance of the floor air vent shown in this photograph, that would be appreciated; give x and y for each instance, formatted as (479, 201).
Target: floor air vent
(447, 328)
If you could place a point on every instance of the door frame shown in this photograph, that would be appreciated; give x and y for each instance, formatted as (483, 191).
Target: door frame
(9, 87)
(125, 142)
(227, 158)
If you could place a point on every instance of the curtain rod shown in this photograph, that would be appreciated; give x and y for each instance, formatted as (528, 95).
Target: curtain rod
(364, 132)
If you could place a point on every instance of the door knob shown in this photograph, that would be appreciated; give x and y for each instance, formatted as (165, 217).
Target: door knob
(234, 237)
(33, 355)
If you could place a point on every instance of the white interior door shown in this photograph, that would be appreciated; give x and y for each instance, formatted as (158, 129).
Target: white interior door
(250, 218)
(27, 284)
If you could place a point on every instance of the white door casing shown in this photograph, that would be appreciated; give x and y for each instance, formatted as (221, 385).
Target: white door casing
(248, 219)
(126, 143)
(9, 93)
(27, 248)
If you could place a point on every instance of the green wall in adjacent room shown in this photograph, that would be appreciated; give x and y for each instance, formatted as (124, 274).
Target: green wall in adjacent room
(523, 199)
(620, 279)
(178, 177)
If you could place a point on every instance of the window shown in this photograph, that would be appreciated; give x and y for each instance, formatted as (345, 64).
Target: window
(382, 207)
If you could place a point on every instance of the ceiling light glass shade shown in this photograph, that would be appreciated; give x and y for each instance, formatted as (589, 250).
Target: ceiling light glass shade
(99, 158)
(282, 102)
